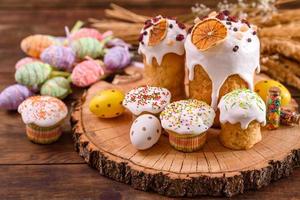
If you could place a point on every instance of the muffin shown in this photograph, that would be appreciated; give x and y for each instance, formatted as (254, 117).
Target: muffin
(147, 100)
(43, 116)
(242, 112)
(187, 122)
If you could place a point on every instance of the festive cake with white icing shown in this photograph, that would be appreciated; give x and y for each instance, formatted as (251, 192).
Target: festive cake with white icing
(147, 99)
(222, 54)
(187, 122)
(242, 112)
(162, 47)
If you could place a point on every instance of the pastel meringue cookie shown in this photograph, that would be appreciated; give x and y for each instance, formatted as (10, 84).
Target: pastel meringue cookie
(147, 99)
(86, 73)
(145, 131)
(172, 41)
(187, 117)
(237, 54)
(24, 61)
(242, 106)
(43, 111)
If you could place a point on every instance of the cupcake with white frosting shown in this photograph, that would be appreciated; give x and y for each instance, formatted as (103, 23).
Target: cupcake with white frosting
(187, 122)
(222, 54)
(161, 44)
(147, 100)
(242, 113)
(43, 116)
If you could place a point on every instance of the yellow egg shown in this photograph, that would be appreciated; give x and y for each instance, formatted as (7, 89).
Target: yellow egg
(107, 104)
(262, 88)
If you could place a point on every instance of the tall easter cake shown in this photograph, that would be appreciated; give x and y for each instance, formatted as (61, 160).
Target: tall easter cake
(222, 54)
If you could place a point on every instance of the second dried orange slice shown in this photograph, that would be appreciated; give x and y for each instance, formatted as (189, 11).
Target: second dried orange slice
(158, 32)
(208, 33)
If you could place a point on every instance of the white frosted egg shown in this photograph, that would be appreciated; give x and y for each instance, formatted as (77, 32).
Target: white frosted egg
(145, 131)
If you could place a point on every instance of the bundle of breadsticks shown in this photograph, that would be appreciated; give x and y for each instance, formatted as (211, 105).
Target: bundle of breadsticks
(279, 31)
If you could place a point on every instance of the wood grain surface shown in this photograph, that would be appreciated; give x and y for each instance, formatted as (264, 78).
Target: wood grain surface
(30, 171)
(214, 170)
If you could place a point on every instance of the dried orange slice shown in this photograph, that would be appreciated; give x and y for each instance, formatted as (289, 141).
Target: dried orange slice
(158, 32)
(208, 33)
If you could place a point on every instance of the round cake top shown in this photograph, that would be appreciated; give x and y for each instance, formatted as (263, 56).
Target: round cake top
(223, 45)
(242, 106)
(187, 117)
(147, 99)
(160, 36)
(43, 111)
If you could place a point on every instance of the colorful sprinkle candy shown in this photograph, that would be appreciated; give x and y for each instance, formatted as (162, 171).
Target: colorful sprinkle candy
(33, 74)
(34, 45)
(56, 87)
(12, 96)
(59, 57)
(273, 108)
(289, 118)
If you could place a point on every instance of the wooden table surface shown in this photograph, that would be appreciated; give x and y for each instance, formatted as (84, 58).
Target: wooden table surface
(30, 171)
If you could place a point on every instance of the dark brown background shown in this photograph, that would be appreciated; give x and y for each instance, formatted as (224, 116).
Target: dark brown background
(29, 171)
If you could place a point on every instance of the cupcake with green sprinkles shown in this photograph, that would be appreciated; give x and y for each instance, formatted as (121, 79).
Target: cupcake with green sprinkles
(43, 116)
(187, 122)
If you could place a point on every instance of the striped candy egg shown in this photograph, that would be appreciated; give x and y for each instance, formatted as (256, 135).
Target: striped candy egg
(86, 32)
(87, 47)
(59, 57)
(33, 74)
(86, 73)
(12, 96)
(56, 87)
(34, 45)
(24, 61)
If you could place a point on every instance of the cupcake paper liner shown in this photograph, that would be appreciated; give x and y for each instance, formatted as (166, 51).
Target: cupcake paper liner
(43, 135)
(186, 143)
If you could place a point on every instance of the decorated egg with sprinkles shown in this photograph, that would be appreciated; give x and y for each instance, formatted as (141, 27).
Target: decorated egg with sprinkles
(145, 132)
(262, 88)
(107, 104)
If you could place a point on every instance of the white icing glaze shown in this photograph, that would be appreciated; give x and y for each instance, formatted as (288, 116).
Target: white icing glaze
(221, 61)
(168, 45)
(243, 106)
(147, 99)
(145, 131)
(43, 111)
(188, 117)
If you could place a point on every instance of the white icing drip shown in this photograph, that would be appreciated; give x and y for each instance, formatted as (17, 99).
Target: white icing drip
(168, 45)
(242, 106)
(43, 111)
(221, 61)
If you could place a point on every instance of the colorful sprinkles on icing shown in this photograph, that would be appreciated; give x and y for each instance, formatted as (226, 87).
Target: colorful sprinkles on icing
(187, 117)
(42, 111)
(147, 99)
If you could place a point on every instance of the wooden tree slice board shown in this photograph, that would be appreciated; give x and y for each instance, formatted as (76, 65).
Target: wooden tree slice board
(214, 170)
